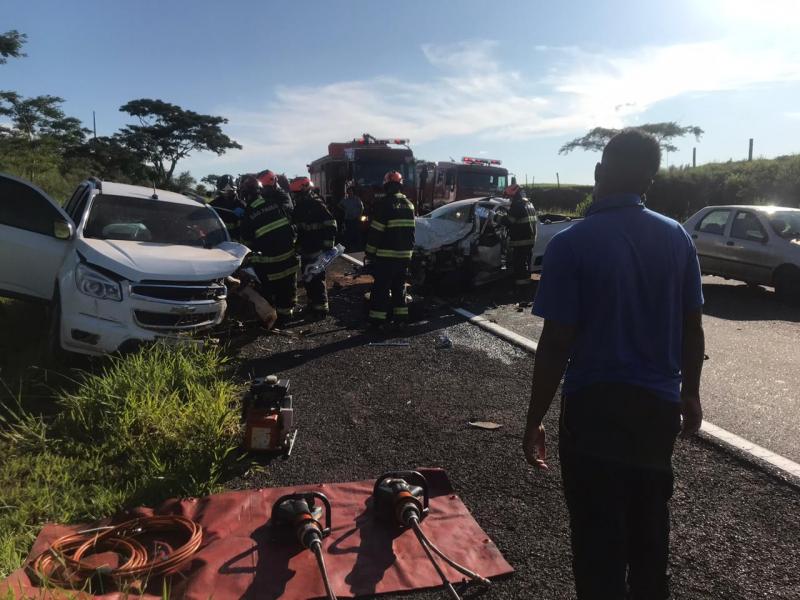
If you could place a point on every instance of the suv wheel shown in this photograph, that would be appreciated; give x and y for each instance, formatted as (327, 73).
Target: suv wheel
(787, 283)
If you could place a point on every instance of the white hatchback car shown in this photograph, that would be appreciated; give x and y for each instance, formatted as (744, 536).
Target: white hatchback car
(756, 244)
(118, 264)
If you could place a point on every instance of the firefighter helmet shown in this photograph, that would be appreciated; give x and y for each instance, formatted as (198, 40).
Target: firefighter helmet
(268, 178)
(249, 187)
(512, 191)
(300, 184)
(226, 183)
(393, 177)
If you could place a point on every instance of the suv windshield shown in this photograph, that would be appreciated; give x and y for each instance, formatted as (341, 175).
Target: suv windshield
(155, 221)
(476, 180)
(786, 224)
(459, 213)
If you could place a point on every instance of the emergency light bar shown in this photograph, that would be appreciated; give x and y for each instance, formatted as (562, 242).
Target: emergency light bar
(468, 160)
(368, 139)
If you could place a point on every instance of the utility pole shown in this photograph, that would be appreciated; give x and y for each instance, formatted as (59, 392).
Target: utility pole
(558, 181)
(750, 152)
(694, 157)
(94, 124)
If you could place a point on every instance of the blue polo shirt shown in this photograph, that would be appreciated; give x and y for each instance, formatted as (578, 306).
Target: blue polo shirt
(624, 277)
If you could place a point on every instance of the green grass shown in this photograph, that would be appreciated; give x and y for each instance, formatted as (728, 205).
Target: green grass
(149, 426)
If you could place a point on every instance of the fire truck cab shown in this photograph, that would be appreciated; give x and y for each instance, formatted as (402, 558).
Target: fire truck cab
(363, 163)
(447, 182)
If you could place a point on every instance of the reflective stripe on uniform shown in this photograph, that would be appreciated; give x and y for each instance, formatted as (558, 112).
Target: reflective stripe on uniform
(383, 253)
(401, 311)
(394, 223)
(257, 203)
(320, 306)
(282, 222)
(377, 226)
(377, 314)
(519, 243)
(285, 273)
(284, 312)
(272, 259)
(316, 226)
(522, 281)
(370, 249)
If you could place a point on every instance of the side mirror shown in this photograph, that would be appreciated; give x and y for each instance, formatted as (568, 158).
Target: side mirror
(63, 230)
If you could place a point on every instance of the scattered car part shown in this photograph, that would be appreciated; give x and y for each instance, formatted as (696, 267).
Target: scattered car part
(64, 563)
(298, 516)
(489, 425)
(269, 416)
(400, 344)
(401, 499)
(321, 264)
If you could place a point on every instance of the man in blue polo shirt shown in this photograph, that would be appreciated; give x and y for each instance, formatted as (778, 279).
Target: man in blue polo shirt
(622, 302)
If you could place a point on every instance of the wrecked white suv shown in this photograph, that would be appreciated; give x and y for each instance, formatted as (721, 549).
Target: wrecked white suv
(118, 264)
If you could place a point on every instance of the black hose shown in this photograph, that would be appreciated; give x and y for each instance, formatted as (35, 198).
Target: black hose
(460, 568)
(421, 537)
(316, 548)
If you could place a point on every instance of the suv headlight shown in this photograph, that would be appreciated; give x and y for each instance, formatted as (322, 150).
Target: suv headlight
(93, 284)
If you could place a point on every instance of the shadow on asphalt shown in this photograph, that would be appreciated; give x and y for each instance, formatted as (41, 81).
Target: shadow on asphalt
(744, 303)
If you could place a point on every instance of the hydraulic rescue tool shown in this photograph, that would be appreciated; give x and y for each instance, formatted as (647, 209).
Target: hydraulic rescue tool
(401, 498)
(298, 515)
(269, 416)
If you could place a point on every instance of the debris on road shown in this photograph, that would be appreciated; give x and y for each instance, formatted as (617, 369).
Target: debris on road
(398, 343)
(444, 341)
(488, 425)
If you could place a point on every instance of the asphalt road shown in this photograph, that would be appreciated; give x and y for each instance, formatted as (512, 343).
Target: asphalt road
(362, 410)
(751, 382)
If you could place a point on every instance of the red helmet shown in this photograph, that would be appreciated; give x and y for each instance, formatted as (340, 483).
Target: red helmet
(268, 178)
(300, 184)
(393, 177)
(511, 190)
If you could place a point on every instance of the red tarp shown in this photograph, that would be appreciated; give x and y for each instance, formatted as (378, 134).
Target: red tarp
(240, 557)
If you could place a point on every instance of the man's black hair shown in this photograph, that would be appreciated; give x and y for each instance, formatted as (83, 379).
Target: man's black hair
(631, 160)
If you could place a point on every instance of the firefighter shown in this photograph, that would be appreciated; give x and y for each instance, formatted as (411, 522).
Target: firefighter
(268, 231)
(390, 244)
(273, 190)
(316, 232)
(521, 224)
(232, 206)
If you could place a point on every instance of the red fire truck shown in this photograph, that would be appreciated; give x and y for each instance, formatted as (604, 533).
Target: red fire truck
(446, 182)
(362, 163)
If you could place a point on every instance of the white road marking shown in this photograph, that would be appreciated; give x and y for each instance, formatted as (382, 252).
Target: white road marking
(717, 434)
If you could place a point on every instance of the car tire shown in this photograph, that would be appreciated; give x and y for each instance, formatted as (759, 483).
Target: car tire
(787, 283)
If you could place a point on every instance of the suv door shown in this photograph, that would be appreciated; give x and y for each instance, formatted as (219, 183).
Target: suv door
(748, 250)
(709, 239)
(30, 252)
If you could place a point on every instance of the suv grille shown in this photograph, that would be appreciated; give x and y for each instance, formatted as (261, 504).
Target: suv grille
(158, 320)
(181, 293)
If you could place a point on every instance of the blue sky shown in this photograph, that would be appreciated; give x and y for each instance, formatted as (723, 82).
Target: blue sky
(507, 79)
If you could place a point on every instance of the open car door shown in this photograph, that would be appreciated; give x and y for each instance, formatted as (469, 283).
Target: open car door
(35, 236)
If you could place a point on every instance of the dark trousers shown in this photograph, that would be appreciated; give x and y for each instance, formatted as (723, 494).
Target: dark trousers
(388, 290)
(352, 234)
(282, 293)
(615, 447)
(316, 290)
(521, 269)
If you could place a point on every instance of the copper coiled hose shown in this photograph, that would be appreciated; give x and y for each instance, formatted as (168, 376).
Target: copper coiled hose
(64, 563)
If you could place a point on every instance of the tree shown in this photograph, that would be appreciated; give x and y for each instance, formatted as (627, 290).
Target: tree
(211, 180)
(167, 133)
(184, 181)
(39, 134)
(10, 44)
(665, 132)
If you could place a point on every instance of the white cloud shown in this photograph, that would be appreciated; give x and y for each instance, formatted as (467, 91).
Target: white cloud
(472, 94)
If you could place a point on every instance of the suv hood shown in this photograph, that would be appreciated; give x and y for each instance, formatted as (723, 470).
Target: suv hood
(432, 234)
(137, 261)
